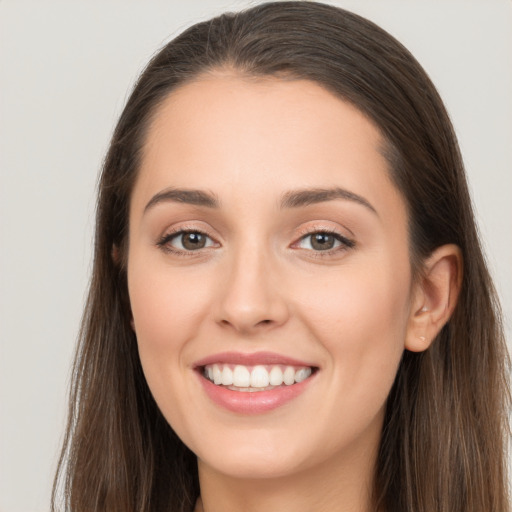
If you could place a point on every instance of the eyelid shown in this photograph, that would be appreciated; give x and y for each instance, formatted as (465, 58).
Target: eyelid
(174, 232)
(338, 240)
(346, 243)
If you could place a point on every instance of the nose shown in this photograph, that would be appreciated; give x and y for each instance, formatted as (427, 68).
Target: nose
(251, 298)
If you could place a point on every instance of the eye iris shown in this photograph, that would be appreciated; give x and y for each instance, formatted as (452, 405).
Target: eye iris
(322, 241)
(192, 241)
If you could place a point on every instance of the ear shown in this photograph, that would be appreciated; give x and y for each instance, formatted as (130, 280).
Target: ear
(434, 297)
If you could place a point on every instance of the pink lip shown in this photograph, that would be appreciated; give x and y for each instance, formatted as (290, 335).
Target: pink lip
(256, 402)
(263, 358)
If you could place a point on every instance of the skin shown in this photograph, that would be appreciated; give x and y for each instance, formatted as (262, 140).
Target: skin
(259, 285)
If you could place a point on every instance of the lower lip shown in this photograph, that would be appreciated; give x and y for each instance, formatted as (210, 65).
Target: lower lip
(255, 402)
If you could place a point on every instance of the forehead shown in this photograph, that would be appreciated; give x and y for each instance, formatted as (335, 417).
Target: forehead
(264, 112)
(260, 136)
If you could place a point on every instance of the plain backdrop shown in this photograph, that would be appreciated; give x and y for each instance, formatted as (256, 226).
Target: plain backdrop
(66, 69)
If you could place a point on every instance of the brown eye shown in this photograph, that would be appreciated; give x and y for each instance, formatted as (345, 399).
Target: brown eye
(193, 241)
(186, 241)
(324, 241)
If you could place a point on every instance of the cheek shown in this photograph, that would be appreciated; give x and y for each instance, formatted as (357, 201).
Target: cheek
(360, 317)
(165, 306)
(166, 309)
(359, 301)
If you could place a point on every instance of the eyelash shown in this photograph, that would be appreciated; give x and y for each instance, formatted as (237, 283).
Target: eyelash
(164, 242)
(345, 243)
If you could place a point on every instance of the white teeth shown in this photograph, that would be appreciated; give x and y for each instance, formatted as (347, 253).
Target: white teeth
(276, 376)
(289, 376)
(302, 374)
(227, 376)
(217, 374)
(255, 378)
(241, 377)
(259, 377)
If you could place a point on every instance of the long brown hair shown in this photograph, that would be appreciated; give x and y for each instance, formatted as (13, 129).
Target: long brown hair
(445, 430)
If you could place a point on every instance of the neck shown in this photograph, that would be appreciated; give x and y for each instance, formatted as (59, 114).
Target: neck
(342, 486)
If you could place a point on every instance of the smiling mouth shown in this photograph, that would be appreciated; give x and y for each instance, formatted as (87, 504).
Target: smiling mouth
(255, 378)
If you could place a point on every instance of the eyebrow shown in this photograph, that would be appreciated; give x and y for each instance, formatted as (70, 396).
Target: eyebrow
(298, 198)
(292, 199)
(187, 196)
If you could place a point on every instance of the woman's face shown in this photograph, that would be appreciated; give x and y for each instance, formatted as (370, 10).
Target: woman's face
(268, 253)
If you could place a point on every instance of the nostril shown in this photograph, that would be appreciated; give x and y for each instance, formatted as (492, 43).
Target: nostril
(261, 322)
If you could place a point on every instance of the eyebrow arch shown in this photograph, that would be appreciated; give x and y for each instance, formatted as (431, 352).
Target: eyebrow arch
(298, 198)
(181, 195)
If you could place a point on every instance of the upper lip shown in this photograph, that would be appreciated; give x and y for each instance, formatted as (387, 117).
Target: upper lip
(251, 359)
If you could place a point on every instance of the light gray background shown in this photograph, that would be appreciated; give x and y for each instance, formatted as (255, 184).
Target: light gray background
(65, 72)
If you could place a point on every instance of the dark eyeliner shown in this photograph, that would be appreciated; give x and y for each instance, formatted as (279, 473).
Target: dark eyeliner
(163, 243)
(347, 242)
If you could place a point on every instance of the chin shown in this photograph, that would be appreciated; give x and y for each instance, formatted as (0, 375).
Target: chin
(266, 453)
(255, 466)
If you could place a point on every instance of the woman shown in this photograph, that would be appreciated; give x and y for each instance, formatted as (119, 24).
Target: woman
(289, 306)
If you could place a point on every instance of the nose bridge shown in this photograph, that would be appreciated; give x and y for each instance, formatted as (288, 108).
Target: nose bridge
(251, 298)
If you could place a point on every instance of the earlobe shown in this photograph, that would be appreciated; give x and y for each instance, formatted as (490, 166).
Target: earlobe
(435, 297)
